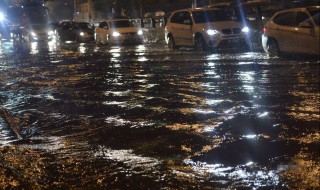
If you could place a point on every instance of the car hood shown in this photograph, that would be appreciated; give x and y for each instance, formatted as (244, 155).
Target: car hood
(125, 30)
(220, 25)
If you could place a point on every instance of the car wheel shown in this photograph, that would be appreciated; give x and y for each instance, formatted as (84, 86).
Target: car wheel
(200, 45)
(171, 43)
(273, 47)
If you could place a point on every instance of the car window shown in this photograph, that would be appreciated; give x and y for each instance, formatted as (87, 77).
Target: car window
(285, 19)
(314, 12)
(103, 24)
(210, 16)
(301, 17)
(316, 19)
(66, 25)
(180, 17)
(83, 25)
(315, 15)
(120, 24)
(175, 17)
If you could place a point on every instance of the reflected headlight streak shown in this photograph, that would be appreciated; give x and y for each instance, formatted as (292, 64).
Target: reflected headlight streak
(245, 29)
(211, 32)
(115, 34)
(1, 16)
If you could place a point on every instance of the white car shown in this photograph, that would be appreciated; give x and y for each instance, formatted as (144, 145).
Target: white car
(293, 30)
(118, 31)
(205, 28)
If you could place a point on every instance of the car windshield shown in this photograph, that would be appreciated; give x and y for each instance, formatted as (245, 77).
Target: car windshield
(120, 24)
(210, 16)
(83, 25)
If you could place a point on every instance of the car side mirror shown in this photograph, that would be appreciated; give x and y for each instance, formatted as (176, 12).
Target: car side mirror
(187, 22)
(305, 25)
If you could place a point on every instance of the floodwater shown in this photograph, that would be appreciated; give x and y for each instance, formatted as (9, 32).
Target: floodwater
(82, 116)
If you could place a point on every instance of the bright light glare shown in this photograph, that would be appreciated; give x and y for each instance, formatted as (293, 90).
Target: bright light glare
(51, 33)
(212, 32)
(116, 34)
(245, 29)
(140, 32)
(33, 34)
(1, 16)
(81, 33)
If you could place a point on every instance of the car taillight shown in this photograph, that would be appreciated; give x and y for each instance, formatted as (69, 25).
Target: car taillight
(265, 29)
(165, 27)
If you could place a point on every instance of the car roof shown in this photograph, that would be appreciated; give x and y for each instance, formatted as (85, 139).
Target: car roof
(301, 8)
(117, 19)
(81, 22)
(198, 9)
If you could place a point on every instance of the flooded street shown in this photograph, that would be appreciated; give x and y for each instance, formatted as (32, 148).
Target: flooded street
(87, 116)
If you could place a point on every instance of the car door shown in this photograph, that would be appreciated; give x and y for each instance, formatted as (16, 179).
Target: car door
(283, 30)
(306, 39)
(174, 27)
(186, 29)
(181, 28)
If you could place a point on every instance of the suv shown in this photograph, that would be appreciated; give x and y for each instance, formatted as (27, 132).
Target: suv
(293, 30)
(118, 31)
(203, 29)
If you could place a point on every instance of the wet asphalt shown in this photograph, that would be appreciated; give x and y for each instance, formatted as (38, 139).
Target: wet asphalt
(87, 116)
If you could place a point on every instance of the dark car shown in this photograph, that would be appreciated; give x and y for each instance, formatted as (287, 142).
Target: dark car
(75, 31)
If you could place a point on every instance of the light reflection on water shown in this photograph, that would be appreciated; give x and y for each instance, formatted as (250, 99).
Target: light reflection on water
(128, 158)
(243, 175)
(210, 97)
(6, 135)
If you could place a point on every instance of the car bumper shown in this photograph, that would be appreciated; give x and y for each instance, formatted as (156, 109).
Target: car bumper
(126, 39)
(226, 41)
(87, 38)
(264, 41)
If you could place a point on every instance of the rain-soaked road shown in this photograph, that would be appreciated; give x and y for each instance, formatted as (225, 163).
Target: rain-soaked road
(142, 117)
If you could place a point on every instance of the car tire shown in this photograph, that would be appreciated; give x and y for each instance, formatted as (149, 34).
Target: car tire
(171, 43)
(273, 47)
(200, 45)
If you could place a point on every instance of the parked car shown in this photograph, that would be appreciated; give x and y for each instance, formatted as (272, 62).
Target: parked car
(75, 31)
(118, 31)
(204, 29)
(293, 30)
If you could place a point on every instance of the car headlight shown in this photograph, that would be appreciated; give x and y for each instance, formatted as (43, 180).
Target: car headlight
(81, 33)
(140, 32)
(115, 34)
(33, 34)
(211, 32)
(245, 29)
(50, 33)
